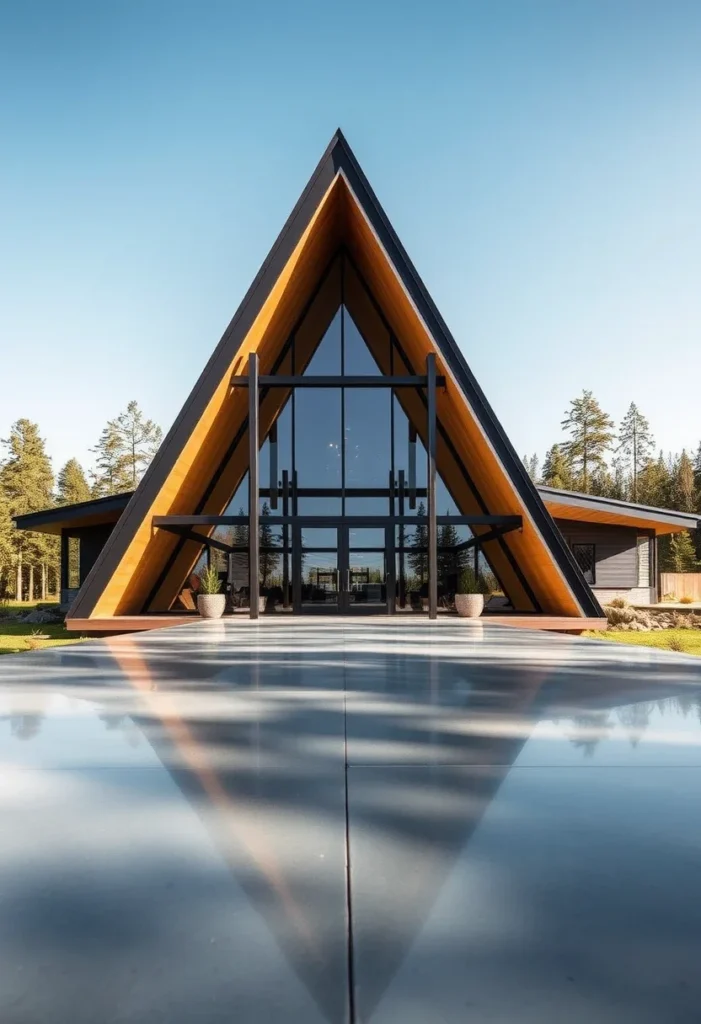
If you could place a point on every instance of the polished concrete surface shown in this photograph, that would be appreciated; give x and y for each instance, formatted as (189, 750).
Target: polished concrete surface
(380, 821)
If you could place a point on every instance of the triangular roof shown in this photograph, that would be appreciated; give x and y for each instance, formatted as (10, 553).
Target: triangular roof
(204, 454)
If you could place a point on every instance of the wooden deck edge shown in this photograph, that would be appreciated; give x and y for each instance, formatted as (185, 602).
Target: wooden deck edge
(127, 623)
(140, 623)
(551, 623)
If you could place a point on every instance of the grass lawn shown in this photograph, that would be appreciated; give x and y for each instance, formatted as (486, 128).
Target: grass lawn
(17, 636)
(684, 641)
(22, 607)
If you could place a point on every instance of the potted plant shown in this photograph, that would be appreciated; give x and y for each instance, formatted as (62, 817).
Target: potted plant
(469, 599)
(210, 600)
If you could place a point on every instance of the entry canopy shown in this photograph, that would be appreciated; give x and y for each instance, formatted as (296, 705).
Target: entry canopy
(337, 248)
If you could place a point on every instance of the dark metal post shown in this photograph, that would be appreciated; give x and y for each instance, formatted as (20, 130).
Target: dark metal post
(402, 566)
(285, 540)
(64, 563)
(272, 439)
(432, 512)
(253, 485)
(412, 467)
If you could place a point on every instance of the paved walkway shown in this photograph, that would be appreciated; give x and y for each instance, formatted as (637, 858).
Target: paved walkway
(382, 821)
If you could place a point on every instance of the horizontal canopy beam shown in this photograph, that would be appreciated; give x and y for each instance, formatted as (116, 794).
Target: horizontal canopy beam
(338, 492)
(188, 534)
(311, 381)
(498, 531)
(512, 522)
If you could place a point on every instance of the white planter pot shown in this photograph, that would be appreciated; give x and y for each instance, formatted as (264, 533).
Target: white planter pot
(211, 606)
(262, 602)
(469, 606)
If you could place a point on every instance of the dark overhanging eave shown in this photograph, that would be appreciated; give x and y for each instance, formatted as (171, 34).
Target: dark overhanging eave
(75, 515)
(615, 506)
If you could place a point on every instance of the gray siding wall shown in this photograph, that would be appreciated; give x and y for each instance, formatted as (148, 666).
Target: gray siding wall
(616, 551)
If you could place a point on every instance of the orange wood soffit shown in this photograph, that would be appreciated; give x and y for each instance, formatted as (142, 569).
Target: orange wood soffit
(139, 566)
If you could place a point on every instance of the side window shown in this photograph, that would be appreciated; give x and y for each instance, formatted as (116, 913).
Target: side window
(584, 556)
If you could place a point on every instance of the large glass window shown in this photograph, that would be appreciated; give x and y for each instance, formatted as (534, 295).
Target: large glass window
(358, 360)
(327, 360)
(318, 437)
(368, 437)
(347, 442)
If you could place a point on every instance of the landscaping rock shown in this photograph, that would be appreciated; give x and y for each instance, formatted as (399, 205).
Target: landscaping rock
(39, 617)
(646, 619)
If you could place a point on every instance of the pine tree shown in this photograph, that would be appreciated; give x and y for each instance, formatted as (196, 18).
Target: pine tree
(603, 482)
(417, 557)
(621, 481)
(7, 554)
(592, 434)
(125, 449)
(635, 443)
(531, 463)
(556, 470)
(72, 485)
(269, 560)
(654, 483)
(26, 485)
(683, 491)
(240, 535)
(110, 475)
(140, 439)
(697, 488)
(679, 555)
(450, 560)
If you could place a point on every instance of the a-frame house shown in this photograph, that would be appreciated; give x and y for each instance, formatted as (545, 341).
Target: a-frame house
(379, 467)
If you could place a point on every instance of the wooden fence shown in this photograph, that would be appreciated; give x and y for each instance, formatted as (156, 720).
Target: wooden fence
(681, 584)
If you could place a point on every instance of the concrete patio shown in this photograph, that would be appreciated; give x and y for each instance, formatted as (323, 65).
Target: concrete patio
(385, 821)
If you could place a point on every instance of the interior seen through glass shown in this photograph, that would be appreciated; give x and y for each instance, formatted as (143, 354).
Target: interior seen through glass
(338, 452)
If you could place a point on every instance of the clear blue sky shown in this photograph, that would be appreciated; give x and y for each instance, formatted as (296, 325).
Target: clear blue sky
(541, 162)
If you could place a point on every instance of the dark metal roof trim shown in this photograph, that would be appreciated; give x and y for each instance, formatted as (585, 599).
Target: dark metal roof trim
(670, 517)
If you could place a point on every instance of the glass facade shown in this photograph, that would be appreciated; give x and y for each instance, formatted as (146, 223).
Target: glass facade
(345, 469)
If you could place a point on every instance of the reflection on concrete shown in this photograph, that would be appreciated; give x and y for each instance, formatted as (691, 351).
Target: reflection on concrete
(182, 804)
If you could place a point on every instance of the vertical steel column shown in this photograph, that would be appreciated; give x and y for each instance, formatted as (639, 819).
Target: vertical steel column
(63, 585)
(401, 589)
(253, 487)
(272, 442)
(432, 521)
(285, 540)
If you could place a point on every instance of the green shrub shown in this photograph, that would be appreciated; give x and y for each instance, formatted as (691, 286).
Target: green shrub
(471, 582)
(675, 644)
(618, 602)
(209, 581)
(669, 597)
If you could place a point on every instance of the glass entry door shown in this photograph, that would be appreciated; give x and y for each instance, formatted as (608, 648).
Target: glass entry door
(316, 579)
(340, 570)
(365, 576)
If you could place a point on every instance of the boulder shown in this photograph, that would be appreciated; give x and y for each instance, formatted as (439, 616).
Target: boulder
(38, 617)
